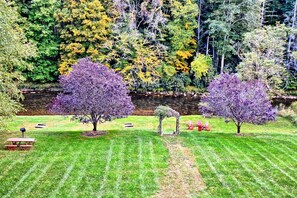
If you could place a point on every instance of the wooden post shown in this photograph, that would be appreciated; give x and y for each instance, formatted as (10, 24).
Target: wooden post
(177, 126)
(160, 125)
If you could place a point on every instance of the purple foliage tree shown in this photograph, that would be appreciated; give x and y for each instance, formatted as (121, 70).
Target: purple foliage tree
(240, 101)
(92, 93)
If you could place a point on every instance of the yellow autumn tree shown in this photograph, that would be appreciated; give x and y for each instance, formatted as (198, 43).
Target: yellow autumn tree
(182, 33)
(201, 65)
(84, 28)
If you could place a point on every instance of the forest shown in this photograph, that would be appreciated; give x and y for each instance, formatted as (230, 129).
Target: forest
(161, 45)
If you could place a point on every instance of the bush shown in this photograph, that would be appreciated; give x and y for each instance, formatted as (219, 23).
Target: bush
(294, 107)
(289, 112)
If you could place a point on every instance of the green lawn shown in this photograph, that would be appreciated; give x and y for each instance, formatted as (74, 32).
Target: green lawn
(251, 166)
(131, 162)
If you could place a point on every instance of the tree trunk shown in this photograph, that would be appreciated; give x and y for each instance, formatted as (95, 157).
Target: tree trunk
(160, 126)
(238, 128)
(293, 25)
(199, 24)
(207, 46)
(262, 13)
(222, 63)
(94, 121)
(177, 126)
(94, 126)
(213, 48)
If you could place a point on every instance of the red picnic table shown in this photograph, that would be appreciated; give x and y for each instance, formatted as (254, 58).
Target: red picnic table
(21, 143)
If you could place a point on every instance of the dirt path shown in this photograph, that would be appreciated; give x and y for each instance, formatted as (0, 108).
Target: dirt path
(183, 178)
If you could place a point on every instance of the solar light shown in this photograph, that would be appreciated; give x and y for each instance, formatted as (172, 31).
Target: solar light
(23, 130)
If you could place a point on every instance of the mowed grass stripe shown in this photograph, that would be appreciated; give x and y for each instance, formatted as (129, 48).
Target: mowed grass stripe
(119, 169)
(107, 167)
(66, 174)
(90, 182)
(56, 172)
(249, 171)
(153, 162)
(44, 170)
(249, 158)
(220, 162)
(272, 156)
(283, 159)
(82, 173)
(292, 142)
(288, 152)
(272, 163)
(84, 148)
(219, 176)
(233, 179)
(141, 167)
(255, 144)
(9, 167)
(19, 167)
(267, 183)
(27, 174)
(271, 177)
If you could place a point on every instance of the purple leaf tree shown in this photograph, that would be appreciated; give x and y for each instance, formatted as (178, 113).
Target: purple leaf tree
(92, 93)
(242, 102)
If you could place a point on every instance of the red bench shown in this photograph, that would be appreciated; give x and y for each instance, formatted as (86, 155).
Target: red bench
(25, 147)
(11, 147)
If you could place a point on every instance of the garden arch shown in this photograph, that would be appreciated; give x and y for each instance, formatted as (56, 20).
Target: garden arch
(163, 112)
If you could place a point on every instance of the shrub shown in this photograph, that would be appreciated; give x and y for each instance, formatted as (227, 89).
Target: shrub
(290, 112)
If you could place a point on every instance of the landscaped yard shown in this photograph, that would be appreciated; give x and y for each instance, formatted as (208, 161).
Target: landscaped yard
(133, 162)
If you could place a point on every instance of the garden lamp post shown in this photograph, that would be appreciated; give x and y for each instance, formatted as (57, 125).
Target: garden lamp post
(23, 130)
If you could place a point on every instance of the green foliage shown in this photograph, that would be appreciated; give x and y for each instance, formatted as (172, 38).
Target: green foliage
(14, 50)
(165, 111)
(182, 33)
(201, 65)
(176, 83)
(263, 56)
(14, 47)
(135, 49)
(227, 22)
(168, 70)
(157, 44)
(84, 28)
(8, 108)
(291, 83)
(39, 28)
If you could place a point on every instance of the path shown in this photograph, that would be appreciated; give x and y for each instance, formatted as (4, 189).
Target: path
(183, 178)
